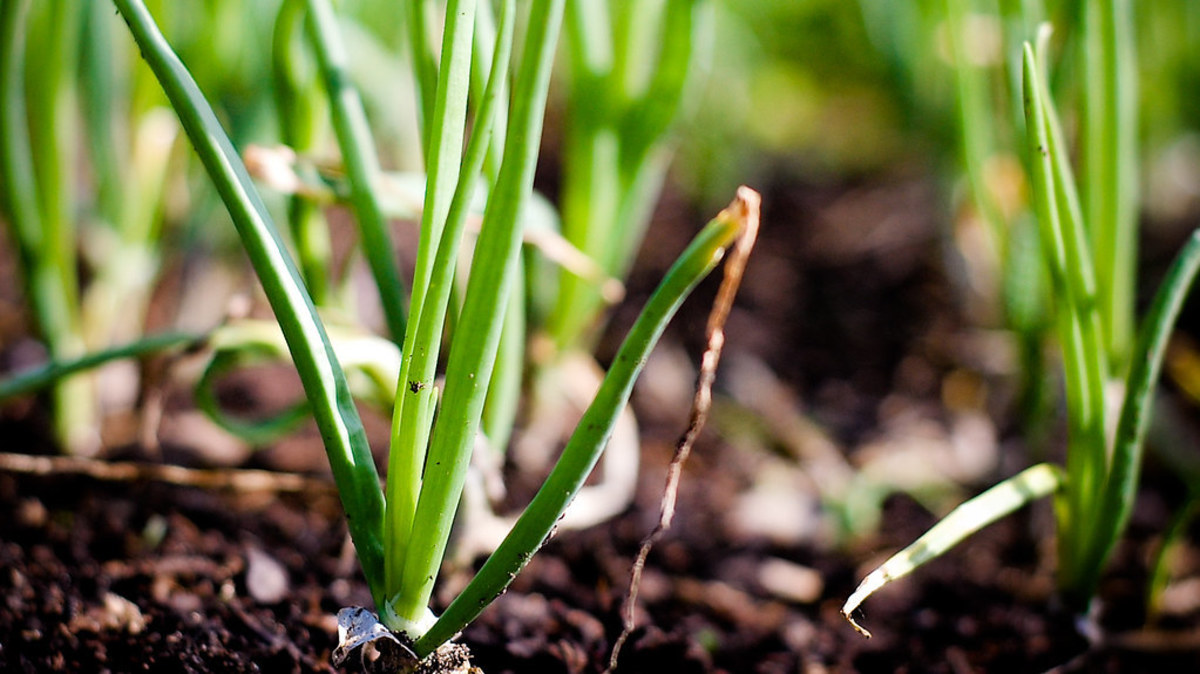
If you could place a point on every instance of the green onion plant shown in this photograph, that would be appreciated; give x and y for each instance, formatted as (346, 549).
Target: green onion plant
(401, 532)
(1094, 492)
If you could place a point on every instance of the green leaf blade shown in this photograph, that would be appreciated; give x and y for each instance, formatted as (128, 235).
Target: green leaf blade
(590, 436)
(472, 355)
(971, 516)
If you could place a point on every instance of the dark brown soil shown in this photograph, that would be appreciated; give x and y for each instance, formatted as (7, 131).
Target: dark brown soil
(146, 576)
(150, 577)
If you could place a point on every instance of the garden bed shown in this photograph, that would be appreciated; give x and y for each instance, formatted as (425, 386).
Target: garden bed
(112, 575)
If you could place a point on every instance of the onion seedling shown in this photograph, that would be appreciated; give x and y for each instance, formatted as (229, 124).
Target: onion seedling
(1095, 492)
(401, 536)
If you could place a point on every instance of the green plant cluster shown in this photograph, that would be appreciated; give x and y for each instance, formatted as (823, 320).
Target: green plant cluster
(1087, 249)
(480, 114)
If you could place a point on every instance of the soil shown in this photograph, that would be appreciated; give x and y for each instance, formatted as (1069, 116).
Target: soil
(99, 575)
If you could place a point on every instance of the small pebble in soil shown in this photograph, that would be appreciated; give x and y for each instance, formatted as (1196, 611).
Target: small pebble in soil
(266, 579)
(790, 581)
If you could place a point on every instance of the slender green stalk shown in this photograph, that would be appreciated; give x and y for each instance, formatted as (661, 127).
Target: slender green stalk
(481, 67)
(1109, 150)
(1116, 500)
(301, 114)
(590, 203)
(443, 221)
(504, 392)
(37, 125)
(645, 148)
(117, 297)
(654, 110)
(425, 66)
(615, 146)
(471, 360)
(590, 436)
(16, 159)
(628, 58)
(1063, 242)
(1026, 293)
(1021, 18)
(130, 145)
(591, 191)
(975, 118)
(443, 155)
(52, 63)
(321, 375)
(99, 92)
(588, 27)
(362, 164)
(45, 376)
